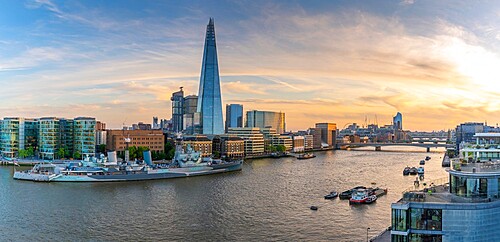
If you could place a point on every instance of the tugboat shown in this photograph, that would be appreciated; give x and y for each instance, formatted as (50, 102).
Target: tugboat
(361, 196)
(422, 162)
(420, 170)
(306, 156)
(332, 195)
(427, 158)
(413, 171)
(348, 193)
(406, 171)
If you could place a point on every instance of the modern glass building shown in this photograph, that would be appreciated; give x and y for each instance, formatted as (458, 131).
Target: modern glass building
(209, 94)
(397, 121)
(465, 207)
(234, 116)
(17, 134)
(84, 136)
(266, 119)
(48, 137)
(177, 110)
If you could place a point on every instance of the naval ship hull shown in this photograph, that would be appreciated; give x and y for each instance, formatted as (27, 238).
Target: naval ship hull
(155, 174)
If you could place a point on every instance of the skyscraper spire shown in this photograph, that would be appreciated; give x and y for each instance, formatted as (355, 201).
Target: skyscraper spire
(209, 94)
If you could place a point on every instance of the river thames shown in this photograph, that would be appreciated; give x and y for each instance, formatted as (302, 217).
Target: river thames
(268, 200)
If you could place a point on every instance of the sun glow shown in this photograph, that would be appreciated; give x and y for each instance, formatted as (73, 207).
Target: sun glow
(475, 62)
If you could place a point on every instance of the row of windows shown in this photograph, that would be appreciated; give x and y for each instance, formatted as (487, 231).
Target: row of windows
(416, 218)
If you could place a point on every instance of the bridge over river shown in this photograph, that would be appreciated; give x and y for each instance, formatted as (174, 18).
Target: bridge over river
(378, 146)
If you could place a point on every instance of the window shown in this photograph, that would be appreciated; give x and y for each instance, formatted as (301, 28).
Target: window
(425, 237)
(425, 219)
(399, 222)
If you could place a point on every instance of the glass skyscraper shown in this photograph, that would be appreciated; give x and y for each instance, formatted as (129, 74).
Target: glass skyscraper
(209, 95)
(234, 116)
(266, 119)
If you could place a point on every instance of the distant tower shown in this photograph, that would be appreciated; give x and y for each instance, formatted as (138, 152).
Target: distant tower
(397, 121)
(234, 116)
(209, 94)
(177, 110)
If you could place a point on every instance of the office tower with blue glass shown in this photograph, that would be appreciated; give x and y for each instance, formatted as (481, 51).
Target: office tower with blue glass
(209, 94)
(234, 116)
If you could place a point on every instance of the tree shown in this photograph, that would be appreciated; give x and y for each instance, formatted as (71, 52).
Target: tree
(271, 148)
(60, 153)
(22, 153)
(101, 148)
(30, 151)
(280, 148)
(76, 155)
(170, 154)
(132, 152)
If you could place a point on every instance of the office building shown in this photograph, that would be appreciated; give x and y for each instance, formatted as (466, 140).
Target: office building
(177, 110)
(209, 95)
(228, 147)
(191, 119)
(397, 121)
(298, 143)
(309, 142)
(234, 116)
(254, 140)
(84, 136)
(152, 139)
(266, 119)
(199, 143)
(328, 134)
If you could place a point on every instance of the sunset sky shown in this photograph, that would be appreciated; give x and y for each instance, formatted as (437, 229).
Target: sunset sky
(436, 62)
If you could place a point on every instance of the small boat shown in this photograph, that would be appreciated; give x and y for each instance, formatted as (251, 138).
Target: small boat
(413, 171)
(314, 208)
(406, 171)
(378, 192)
(371, 199)
(422, 162)
(332, 195)
(306, 156)
(348, 193)
(420, 170)
(427, 158)
(361, 196)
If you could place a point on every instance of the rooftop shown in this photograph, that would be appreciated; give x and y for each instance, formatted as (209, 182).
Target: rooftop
(487, 135)
(439, 194)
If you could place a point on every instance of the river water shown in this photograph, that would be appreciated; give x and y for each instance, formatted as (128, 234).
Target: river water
(268, 200)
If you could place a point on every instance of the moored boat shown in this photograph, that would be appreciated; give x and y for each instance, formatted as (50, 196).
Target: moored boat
(406, 171)
(185, 164)
(427, 158)
(362, 196)
(413, 171)
(348, 193)
(306, 156)
(332, 195)
(420, 170)
(422, 162)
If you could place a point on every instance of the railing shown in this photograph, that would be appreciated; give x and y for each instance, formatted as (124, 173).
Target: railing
(427, 184)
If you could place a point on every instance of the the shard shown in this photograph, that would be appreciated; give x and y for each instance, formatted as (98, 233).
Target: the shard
(209, 95)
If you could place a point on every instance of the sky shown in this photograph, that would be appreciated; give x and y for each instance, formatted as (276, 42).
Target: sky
(436, 62)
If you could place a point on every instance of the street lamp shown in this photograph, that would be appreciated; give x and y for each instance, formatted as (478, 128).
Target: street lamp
(367, 229)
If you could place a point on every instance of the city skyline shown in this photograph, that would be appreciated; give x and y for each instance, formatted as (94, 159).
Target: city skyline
(120, 61)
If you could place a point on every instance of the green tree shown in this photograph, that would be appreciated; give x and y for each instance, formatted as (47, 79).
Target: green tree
(102, 148)
(60, 153)
(170, 154)
(280, 148)
(22, 153)
(30, 151)
(132, 152)
(76, 155)
(271, 148)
